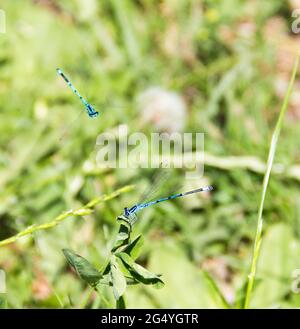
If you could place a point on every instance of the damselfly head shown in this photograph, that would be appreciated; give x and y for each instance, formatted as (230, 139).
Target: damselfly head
(126, 212)
(91, 111)
(129, 217)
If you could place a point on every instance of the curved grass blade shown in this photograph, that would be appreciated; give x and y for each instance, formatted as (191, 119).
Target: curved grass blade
(273, 145)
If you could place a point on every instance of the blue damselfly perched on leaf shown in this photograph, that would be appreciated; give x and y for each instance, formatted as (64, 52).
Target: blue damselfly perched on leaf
(130, 214)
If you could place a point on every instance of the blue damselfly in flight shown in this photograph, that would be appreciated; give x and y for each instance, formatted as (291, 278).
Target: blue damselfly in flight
(89, 108)
(92, 113)
(129, 214)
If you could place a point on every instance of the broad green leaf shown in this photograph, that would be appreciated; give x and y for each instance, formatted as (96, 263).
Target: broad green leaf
(125, 270)
(117, 278)
(84, 268)
(133, 249)
(139, 272)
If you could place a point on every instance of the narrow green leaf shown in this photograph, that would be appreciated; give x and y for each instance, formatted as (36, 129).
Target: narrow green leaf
(117, 278)
(139, 272)
(240, 295)
(106, 268)
(123, 12)
(215, 290)
(84, 268)
(272, 150)
(133, 249)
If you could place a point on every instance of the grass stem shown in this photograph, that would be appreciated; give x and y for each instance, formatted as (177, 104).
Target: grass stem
(82, 211)
(272, 150)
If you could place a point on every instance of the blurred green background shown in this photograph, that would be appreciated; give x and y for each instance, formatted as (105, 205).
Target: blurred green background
(230, 62)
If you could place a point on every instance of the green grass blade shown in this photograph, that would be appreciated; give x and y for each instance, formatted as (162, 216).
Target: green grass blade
(123, 12)
(274, 141)
(216, 293)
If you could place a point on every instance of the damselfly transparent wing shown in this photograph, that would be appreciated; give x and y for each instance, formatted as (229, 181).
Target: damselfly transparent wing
(160, 176)
(152, 192)
(102, 107)
(108, 104)
(69, 126)
(132, 218)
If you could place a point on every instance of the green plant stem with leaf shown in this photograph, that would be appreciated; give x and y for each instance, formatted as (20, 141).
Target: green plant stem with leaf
(120, 269)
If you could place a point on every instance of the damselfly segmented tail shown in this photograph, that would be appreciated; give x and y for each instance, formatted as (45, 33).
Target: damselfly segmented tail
(89, 108)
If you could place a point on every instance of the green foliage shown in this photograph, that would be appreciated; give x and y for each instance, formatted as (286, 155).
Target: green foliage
(139, 273)
(230, 61)
(84, 269)
(121, 303)
(134, 248)
(117, 278)
(120, 268)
